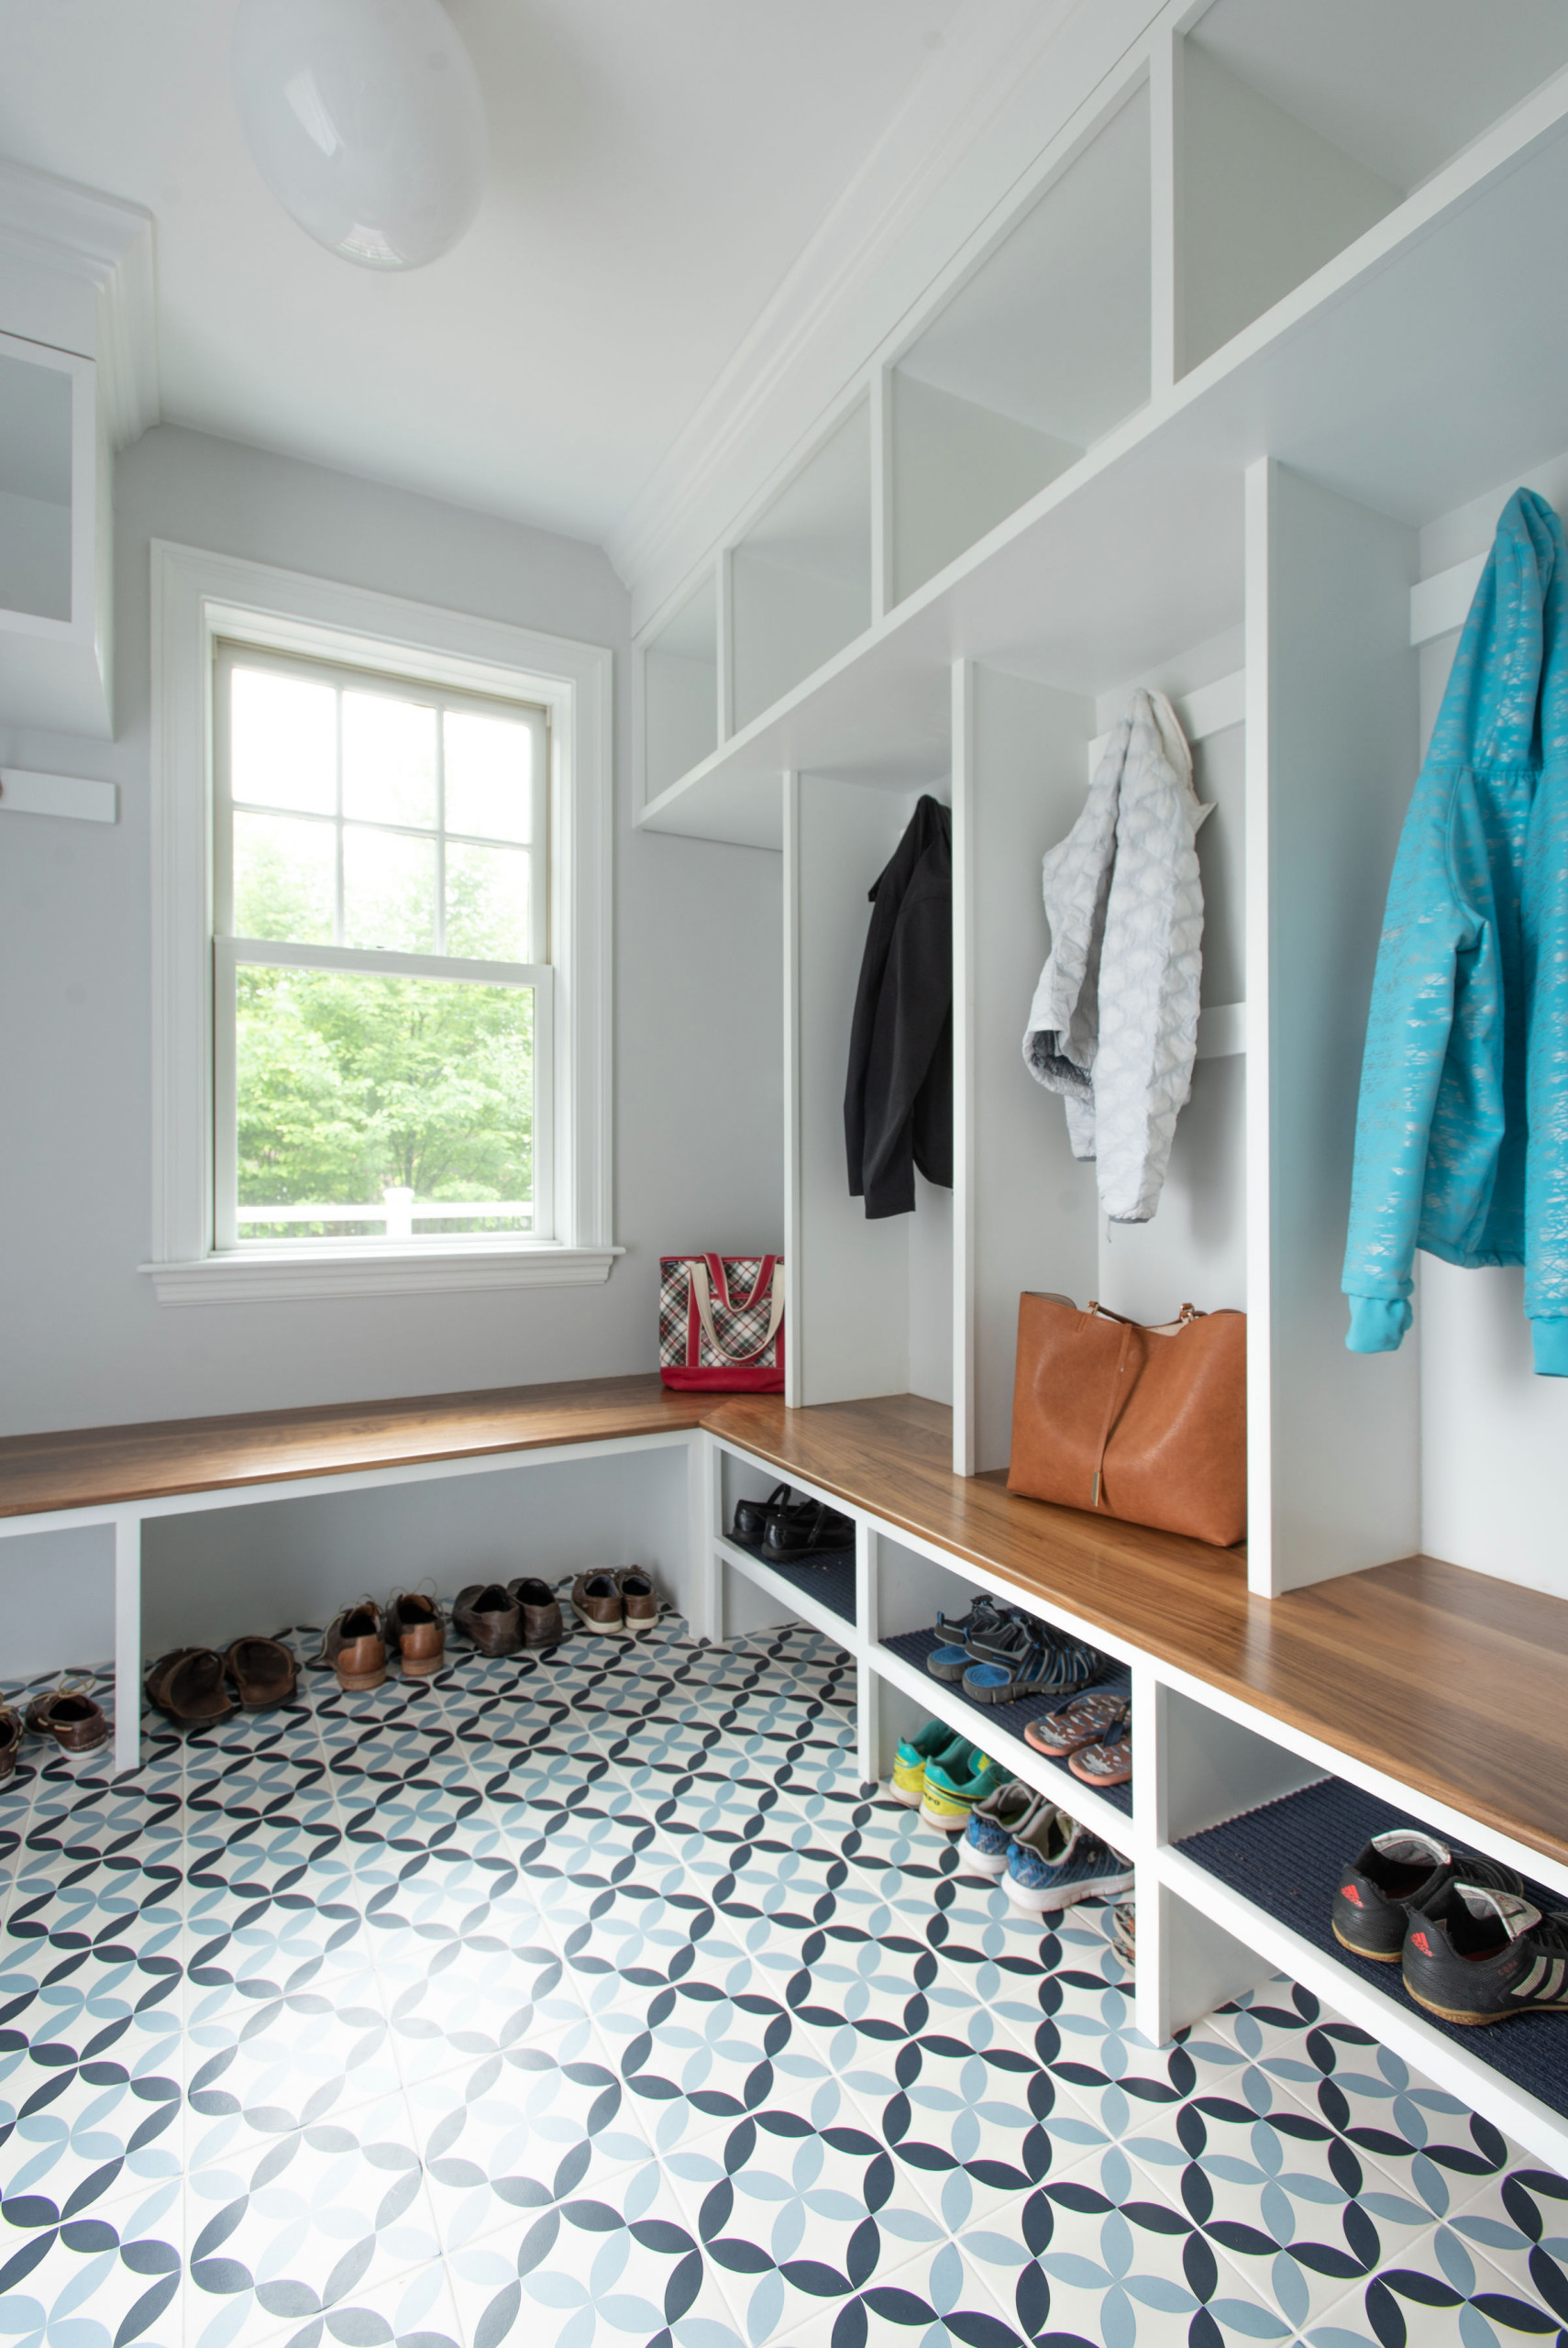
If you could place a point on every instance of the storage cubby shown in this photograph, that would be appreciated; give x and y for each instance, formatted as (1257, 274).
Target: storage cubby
(1298, 129)
(801, 576)
(36, 404)
(1044, 348)
(680, 689)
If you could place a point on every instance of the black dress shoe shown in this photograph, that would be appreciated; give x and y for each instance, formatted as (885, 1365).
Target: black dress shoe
(811, 1530)
(754, 1517)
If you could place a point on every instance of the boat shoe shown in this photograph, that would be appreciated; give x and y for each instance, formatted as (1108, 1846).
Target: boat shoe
(597, 1602)
(540, 1610)
(190, 1687)
(639, 1599)
(490, 1616)
(414, 1628)
(355, 1648)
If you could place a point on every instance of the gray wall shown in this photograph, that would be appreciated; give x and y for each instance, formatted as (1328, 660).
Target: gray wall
(698, 983)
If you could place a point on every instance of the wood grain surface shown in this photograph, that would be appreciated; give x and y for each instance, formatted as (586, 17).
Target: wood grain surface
(1451, 1681)
(98, 1465)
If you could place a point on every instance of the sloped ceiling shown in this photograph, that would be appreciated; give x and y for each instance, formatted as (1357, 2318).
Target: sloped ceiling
(657, 166)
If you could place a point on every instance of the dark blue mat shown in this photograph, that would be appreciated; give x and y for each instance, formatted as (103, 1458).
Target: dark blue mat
(1287, 1858)
(830, 1578)
(915, 1646)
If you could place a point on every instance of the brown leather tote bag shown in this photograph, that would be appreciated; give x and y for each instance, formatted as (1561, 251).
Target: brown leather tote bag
(1145, 1423)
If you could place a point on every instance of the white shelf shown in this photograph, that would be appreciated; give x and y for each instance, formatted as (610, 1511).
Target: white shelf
(794, 1600)
(1080, 585)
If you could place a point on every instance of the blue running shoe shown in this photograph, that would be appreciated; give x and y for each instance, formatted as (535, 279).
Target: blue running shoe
(993, 1823)
(1057, 1862)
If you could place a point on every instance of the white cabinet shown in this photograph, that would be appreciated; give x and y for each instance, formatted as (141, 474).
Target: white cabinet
(78, 379)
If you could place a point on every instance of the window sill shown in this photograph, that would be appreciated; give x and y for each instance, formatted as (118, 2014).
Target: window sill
(288, 1275)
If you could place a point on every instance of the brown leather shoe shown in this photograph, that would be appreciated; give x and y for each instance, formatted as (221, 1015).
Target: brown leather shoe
(10, 1739)
(355, 1649)
(543, 1624)
(596, 1601)
(639, 1599)
(264, 1671)
(416, 1628)
(490, 1617)
(74, 1721)
(187, 1685)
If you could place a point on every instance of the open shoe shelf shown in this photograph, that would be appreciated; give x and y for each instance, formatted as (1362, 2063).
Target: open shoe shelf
(825, 1583)
(1247, 1712)
(982, 1722)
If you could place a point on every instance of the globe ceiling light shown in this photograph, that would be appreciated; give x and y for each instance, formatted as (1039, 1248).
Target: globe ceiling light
(366, 121)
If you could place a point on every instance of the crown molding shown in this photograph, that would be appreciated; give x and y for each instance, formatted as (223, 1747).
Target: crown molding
(101, 250)
(924, 187)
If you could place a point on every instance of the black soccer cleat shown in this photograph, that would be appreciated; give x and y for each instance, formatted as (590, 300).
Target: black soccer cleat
(1397, 1873)
(1477, 1955)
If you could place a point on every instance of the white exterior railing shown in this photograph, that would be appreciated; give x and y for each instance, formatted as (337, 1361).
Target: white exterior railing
(398, 1210)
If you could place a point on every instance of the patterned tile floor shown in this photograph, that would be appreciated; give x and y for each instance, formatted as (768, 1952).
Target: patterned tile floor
(590, 2000)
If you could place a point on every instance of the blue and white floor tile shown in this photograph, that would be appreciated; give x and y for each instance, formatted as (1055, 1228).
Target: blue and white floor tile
(585, 2002)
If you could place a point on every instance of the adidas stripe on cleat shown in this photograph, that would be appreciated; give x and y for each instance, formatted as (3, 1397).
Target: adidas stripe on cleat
(1477, 1956)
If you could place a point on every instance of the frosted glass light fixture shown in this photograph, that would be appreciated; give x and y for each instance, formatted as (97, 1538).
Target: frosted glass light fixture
(365, 120)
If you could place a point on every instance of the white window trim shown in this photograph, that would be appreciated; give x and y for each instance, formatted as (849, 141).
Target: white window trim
(198, 597)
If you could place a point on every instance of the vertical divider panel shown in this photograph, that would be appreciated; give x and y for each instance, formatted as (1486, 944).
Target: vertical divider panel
(1028, 1211)
(704, 1487)
(1165, 55)
(875, 1764)
(964, 1451)
(1331, 751)
(848, 1277)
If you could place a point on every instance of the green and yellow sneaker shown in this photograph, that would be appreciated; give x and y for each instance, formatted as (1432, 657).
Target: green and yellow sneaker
(908, 1783)
(954, 1784)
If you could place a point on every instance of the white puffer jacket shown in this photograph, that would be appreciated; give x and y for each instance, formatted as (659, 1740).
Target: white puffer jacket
(1113, 1026)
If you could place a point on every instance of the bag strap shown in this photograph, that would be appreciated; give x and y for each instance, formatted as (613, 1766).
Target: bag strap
(1117, 1396)
(704, 1301)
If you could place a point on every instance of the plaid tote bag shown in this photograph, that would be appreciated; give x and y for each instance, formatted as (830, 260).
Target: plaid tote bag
(720, 1323)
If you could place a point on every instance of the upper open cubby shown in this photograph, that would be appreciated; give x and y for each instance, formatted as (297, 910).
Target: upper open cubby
(1039, 353)
(680, 689)
(801, 576)
(1299, 128)
(35, 489)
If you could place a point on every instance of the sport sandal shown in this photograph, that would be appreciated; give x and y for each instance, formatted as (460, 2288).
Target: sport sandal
(355, 1648)
(189, 1686)
(596, 1601)
(415, 1629)
(264, 1671)
(490, 1616)
(1087, 1719)
(540, 1608)
(639, 1600)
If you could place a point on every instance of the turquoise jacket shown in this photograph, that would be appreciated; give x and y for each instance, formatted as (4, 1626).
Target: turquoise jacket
(1461, 1137)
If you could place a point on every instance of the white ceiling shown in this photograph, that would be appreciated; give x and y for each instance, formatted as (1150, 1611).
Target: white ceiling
(656, 165)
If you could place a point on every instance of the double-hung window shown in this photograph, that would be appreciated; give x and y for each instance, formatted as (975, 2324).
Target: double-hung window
(381, 940)
(382, 983)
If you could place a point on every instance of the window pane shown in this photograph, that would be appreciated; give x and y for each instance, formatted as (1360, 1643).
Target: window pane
(352, 1086)
(283, 741)
(283, 878)
(487, 902)
(489, 775)
(389, 890)
(388, 759)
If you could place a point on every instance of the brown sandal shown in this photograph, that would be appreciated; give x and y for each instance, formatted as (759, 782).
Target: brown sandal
(76, 1723)
(188, 1687)
(264, 1671)
(10, 1739)
(1087, 1719)
(1109, 1764)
